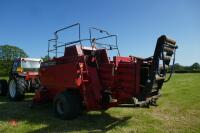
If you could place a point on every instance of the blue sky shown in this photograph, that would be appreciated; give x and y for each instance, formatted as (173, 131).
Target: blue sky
(28, 24)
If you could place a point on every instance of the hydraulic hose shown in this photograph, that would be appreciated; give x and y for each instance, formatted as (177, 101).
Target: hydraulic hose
(172, 68)
(164, 69)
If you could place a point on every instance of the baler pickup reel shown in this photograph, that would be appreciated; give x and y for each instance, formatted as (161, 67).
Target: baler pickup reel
(165, 49)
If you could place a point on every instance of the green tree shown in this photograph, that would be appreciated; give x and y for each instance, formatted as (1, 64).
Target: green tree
(7, 54)
(179, 67)
(195, 67)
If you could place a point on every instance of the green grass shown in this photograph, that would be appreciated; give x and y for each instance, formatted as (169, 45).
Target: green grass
(178, 111)
(6, 78)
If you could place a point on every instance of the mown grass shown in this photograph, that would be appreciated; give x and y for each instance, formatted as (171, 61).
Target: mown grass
(6, 78)
(178, 111)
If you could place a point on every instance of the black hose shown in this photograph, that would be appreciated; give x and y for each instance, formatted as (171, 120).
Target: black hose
(172, 69)
(164, 69)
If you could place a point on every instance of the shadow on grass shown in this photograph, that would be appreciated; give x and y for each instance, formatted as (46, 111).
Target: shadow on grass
(43, 115)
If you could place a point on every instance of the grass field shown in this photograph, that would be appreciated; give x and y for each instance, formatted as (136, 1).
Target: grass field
(178, 111)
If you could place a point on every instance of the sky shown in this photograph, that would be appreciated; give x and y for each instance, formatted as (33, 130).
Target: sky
(28, 24)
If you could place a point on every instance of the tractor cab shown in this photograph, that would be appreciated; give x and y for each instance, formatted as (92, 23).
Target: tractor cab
(24, 66)
(24, 77)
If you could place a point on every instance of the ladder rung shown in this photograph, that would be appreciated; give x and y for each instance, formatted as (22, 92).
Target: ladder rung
(85, 80)
(84, 71)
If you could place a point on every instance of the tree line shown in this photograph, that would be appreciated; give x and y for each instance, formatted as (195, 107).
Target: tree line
(194, 68)
(8, 53)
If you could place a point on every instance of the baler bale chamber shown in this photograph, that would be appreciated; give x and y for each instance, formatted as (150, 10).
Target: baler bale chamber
(86, 78)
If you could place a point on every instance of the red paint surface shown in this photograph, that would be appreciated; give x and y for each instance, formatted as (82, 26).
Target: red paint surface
(121, 76)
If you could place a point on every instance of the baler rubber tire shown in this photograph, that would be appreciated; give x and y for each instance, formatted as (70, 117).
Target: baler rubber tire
(71, 105)
(3, 87)
(20, 86)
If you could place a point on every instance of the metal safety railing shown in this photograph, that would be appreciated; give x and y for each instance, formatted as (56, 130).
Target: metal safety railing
(79, 40)
(55, 40)
(108, 35)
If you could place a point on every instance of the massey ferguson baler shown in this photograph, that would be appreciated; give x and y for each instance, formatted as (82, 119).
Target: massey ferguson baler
(85, 78)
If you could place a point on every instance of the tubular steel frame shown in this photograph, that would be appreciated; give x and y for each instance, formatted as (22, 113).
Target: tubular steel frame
(56, 46)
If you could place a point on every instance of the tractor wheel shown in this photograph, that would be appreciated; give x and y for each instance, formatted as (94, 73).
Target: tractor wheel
(3, 87)
(67, 105)
(17, 89)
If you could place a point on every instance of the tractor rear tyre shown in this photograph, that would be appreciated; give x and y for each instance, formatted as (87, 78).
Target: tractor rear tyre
(3, 87)
(17, 89)
(67, 105)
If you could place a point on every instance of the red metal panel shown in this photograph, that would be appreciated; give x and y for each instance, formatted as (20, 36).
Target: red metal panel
(137, 76)
(121, 77)
(127, 78)
(93, 90)
(106, 74)
(74, 50)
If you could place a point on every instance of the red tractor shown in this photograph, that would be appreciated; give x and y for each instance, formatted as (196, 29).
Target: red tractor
(24, 77)
(85, 78)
